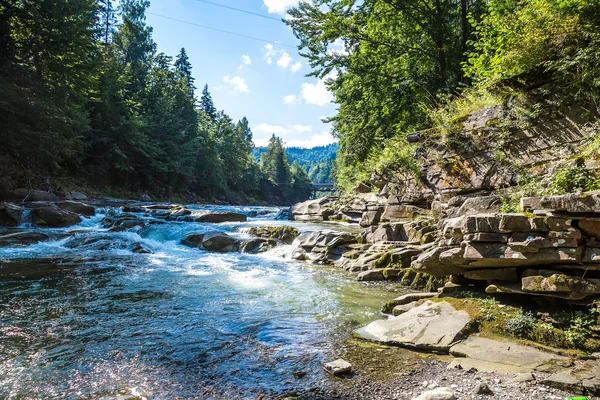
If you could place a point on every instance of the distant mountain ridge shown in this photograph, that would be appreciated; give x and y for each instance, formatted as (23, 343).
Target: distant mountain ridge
(316, 161)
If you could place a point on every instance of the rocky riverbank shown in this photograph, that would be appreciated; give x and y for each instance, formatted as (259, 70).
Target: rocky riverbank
(393, 251)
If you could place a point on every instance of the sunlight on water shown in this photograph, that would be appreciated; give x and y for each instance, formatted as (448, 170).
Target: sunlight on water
(85, 316)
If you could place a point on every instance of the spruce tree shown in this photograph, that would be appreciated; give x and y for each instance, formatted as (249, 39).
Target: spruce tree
(207, 105)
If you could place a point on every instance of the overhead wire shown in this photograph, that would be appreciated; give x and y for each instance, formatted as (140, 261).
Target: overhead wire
(222, 30)
(240, 10)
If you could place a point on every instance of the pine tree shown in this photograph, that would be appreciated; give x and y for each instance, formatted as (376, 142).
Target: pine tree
(207, 105)
(184, 69)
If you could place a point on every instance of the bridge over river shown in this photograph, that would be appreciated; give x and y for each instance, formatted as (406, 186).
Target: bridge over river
(321, 188)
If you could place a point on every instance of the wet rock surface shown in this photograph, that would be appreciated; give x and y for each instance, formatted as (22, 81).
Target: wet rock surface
(52, 216)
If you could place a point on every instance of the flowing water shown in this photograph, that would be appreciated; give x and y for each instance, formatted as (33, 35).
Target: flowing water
(87, 321)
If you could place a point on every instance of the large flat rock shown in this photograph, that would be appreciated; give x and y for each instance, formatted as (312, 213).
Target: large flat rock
(504, 356)
(431, 326)
(583, 379)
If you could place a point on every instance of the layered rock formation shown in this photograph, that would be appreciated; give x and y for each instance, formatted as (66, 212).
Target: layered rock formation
(447, 221)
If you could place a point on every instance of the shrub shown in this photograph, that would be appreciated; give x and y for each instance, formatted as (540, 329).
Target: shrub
(521, 324)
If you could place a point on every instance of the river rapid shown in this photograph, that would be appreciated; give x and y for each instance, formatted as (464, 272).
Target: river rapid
(80, 322)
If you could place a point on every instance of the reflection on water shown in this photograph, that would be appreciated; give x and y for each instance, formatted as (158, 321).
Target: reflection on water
(105, 322)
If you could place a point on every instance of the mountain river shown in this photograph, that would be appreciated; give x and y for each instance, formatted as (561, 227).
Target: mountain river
(103, 322)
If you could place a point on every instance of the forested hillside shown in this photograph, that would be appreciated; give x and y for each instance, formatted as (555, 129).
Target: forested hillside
(87, 101)
(316, 161)
(399, 67)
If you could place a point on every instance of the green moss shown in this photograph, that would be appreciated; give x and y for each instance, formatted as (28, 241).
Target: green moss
(384, 261)
(568, 330)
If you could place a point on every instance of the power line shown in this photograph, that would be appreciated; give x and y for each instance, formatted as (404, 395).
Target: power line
(222, 30)
(240, 10)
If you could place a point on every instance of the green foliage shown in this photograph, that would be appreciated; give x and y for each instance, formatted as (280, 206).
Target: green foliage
(448, 117)
(521, 324)
(575, 177)
(386, 63)
(290, 184)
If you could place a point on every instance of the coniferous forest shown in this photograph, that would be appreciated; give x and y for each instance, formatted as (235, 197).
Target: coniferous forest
(87, 101)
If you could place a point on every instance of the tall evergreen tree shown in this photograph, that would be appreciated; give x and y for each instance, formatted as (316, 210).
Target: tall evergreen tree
(184, 69)
(207, 105)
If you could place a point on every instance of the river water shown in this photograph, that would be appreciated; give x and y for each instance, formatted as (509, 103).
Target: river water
(79, 322)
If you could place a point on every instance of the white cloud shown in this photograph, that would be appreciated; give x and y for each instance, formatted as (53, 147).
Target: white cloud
(285, 59)
(318, 139)
(266, 128)
(291, 98)
(316, 93)
(293, 129)
(238, 84)
(279, 6)
(303, 128)
(337, 48)
(246, 60)
(270, 52)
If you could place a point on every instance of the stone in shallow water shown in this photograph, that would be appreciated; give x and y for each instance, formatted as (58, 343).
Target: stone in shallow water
(338, 367)
(222, 217)
(54, 217)
(431, 326)
(10, 214)
(22, 238)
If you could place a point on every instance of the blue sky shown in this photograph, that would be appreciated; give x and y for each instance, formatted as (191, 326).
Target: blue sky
(265, 82)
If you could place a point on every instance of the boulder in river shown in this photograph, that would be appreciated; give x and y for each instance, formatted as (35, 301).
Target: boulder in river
(220, 242)
(10, 214)
(256, 245)
(211, 241)
(218, 217)
(107, 242)
(77, 207)
(54, 217)
(22, 238)
(285, 234)
(193, 239)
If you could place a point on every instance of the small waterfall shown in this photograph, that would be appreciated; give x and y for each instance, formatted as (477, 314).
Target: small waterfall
(26, 218)
(292, 249)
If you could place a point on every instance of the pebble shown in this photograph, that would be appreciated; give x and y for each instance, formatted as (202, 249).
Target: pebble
(482, 388)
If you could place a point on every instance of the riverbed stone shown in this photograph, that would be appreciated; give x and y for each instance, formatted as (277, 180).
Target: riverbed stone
(380, 274)
(193, 239)
(406, 299)
(257, 245)
(338, 367)
(54, 217)
(285, 234)
(431, 326)
(402, 308)
(220, 242)
(504, 356)
(10, 214)
(440, 393)
(77, 207)
(218, 217)
(312, 210)
(584, 378)
(22, 238)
